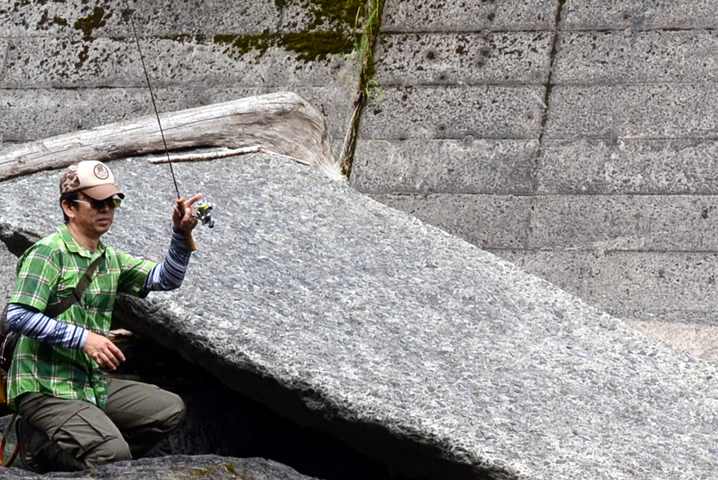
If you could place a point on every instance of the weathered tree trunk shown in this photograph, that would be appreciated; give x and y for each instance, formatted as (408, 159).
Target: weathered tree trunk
(280, 122)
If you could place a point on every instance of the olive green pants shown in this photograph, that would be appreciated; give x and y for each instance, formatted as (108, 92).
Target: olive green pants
(81, 435)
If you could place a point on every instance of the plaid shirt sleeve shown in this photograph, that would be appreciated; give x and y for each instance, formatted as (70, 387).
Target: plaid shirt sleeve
(133, 273)
(36, 278)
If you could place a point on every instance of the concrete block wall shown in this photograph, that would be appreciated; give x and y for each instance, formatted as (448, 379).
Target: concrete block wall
(575, 138)
(73, 65)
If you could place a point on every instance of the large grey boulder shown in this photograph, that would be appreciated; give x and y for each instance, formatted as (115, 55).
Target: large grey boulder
(412, 345)
(211, 467)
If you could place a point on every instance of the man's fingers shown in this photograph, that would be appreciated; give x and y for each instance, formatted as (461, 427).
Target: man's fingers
(113, 356)
(192, 200)
(101, 361)
(105, 353)
(116, 352)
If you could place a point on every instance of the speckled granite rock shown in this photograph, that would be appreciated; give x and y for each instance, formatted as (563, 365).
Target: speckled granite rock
(7, 271)
(410, 344)
(210, 467)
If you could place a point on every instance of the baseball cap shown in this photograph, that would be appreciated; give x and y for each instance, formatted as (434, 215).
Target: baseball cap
(94, 178)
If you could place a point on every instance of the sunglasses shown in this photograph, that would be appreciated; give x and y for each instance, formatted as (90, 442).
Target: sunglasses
(112, 202)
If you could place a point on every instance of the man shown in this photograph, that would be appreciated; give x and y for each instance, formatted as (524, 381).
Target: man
(72, 416)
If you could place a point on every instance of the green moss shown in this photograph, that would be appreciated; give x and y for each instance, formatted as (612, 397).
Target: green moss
(368, 27)
(230, 468)
(227, 39)
(312, 46)
(241, 44)
(308, 45)
(95, 20)
(342, 11)
(210, 470)
(333, 11)
(200, 472)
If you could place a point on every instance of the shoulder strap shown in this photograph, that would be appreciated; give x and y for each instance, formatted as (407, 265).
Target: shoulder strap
(66, 303)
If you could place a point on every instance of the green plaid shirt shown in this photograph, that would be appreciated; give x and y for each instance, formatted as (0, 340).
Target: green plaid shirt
(47, 273)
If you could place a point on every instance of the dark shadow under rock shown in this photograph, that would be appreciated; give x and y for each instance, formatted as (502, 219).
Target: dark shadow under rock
(221, 429)
(223, 422)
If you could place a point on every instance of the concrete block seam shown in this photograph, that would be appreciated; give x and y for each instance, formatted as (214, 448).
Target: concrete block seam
(544, 118)
(367, 45)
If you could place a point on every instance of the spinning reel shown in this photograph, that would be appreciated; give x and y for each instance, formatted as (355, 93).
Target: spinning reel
(204, 212)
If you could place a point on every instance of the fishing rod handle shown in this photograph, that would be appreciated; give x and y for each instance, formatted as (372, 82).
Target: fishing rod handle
(190, 241)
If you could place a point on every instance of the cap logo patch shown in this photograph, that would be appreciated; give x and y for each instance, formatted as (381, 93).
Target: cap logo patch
(70, 181)
(101, 172)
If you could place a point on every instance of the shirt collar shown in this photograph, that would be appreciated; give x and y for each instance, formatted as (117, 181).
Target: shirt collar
(74, 247)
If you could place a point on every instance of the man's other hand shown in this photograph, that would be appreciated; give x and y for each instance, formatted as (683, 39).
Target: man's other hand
(105, 353)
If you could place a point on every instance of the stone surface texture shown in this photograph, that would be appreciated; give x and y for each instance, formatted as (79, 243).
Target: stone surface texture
(490, 118)
(575, 139)
(410, 344)
(211, 467)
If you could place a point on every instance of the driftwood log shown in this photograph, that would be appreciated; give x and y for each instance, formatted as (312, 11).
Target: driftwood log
(282, 123)
(223, 153)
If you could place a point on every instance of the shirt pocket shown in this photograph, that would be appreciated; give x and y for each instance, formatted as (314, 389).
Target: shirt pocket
(101, 293)
(66, 283)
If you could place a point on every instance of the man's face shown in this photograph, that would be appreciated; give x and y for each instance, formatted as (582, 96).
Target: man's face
(93, 218)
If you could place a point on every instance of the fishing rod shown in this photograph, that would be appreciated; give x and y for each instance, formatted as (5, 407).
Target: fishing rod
(204, 208)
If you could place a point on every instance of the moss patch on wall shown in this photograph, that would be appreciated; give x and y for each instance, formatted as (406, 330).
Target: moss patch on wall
(94, 20)
(315, 42)
(316, 45)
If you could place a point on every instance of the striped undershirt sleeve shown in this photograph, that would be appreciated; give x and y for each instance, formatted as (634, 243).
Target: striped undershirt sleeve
(44, 329)
(169, 274)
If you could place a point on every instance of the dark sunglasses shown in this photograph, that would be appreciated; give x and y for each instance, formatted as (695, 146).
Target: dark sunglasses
(112, 202)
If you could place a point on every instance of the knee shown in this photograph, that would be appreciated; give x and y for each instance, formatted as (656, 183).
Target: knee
(110, 450)
(175, 411)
